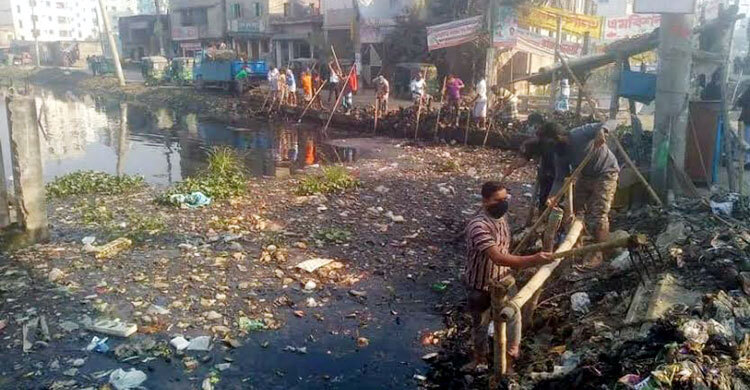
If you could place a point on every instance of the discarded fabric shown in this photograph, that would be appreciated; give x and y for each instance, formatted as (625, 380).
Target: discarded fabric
(194, 200)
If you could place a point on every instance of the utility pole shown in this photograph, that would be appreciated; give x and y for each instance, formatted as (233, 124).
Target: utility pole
(35, 32)
(489, 61)
(553, 85)
(112, 44)
(672, 93)
(158, 27)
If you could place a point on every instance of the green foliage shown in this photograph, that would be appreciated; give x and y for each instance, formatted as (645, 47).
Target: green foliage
(447, 166)
(223, 178)
(334, 235)
(333, 179)
(91, 182)
(131, 223)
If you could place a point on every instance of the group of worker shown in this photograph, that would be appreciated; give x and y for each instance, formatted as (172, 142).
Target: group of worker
(488, 234)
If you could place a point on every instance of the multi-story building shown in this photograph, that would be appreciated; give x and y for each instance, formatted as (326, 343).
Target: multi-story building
(248, 27)
(297, 30)
(197, 23)
(52, 20)
(148, 7)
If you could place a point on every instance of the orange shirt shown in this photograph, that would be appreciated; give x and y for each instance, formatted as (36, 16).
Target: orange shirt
(307, 83)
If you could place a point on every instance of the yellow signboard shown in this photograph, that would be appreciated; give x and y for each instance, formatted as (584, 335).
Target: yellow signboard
(572, 23)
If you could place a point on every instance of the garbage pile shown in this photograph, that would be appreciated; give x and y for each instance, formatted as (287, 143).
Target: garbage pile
(686, 327)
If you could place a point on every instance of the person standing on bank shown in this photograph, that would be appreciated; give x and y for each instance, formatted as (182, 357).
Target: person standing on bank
(595, 188)
(488, 259)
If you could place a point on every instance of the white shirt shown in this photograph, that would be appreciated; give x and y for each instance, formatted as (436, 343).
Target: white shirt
(273, 78)
(417, 86)
(482, 90)
(334, 78)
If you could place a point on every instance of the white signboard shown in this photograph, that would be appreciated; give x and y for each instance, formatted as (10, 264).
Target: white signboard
(664, 6)
(611, 8)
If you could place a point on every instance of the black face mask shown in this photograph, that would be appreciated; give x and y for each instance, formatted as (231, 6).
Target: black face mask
(498, 209)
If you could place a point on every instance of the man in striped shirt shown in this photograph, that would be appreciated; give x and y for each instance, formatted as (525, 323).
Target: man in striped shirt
(488, 259)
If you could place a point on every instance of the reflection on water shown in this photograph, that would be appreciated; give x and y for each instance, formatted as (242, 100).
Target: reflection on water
(81, 133)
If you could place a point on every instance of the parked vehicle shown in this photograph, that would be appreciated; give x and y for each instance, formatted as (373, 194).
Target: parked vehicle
(223, 71)
(154, 69)
(181, 70)
(100, 65)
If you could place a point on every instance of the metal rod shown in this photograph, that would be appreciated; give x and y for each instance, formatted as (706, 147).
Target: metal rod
(440, 109)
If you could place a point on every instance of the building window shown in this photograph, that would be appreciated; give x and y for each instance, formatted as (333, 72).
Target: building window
(20, 24)
(32, 3)
(18, 9)
(287, 9)
(194, 17)
(64, 33)
(235, 12)
(34, 18)
(62, 19)
(60, 4)
(258, 9)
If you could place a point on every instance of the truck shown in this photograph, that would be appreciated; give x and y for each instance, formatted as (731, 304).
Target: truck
(222, 68)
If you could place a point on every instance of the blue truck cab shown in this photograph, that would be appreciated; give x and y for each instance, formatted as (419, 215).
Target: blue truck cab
(222, 73)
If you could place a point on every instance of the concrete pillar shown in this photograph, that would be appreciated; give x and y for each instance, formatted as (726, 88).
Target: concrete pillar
(122, 140)
(277, 46)
(672, 93)
(26, 158)
(250, 50)
(290, 46)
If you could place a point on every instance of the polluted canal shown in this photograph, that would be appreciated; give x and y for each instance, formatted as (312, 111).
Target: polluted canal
(307, 276)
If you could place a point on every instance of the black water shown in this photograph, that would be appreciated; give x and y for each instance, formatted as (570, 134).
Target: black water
(163, 146)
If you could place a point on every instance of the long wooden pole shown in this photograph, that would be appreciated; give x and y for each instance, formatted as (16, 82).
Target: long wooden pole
(335, 58)
(536, 281)
(419, 113)
(312, 101)
(632, 165)
(338, 100)
(468, 123)
(563, 190)
(377, 109)
(581, 87)
(487, 134)
(440, 109)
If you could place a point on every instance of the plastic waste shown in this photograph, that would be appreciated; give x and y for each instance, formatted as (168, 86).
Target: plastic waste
(313, 264)
(126, 380)
(112, 248)
(439, 287)
(194, 200)
(98, 345)
(695, 331)
(179, 343)
(200, 343)
(580, 302)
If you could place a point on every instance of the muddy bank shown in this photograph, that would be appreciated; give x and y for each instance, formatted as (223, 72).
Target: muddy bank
(229, 272)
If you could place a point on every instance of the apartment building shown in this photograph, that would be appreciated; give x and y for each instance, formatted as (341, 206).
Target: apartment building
(197, 23)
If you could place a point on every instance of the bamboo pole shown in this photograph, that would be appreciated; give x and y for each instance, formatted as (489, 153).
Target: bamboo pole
(338, 101)
(499, 295)
(574, 232)
(487, 134)
(468, 124)
(312, 101)
(419, 112)
(336, 58)
(440, 109)
(564, 189)
(581, 87)
(377, 110)
(632, 165)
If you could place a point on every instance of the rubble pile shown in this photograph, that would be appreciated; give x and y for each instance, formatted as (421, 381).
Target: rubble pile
(683, 325)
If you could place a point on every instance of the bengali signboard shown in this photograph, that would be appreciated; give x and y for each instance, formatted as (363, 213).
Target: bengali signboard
(184, 33)
(453, 33)
(573, 23)
(630, 26)
(664, 7)
(538, 44)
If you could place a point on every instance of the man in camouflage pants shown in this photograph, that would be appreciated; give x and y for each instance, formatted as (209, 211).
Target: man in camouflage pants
(595, 188)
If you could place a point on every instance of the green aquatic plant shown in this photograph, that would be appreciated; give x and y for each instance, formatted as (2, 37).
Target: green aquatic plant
(93, 183)
(333, 179)
(224, 177)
